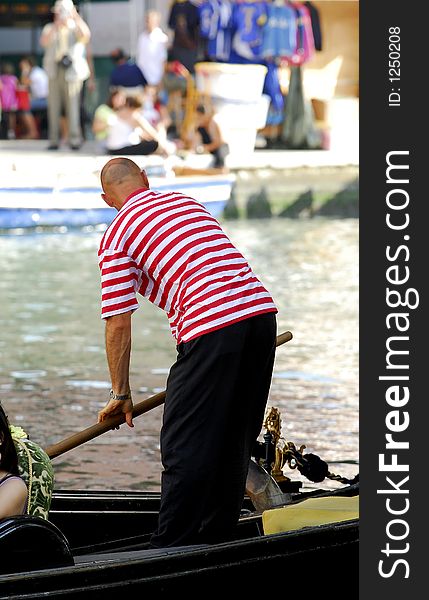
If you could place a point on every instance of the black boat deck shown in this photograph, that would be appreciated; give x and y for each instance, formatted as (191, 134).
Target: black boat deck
(106, 536)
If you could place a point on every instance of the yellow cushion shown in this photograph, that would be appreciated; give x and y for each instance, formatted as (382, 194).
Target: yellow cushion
(310, 512)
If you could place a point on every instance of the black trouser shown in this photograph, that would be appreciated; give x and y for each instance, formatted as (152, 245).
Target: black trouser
(214, 409)
(143, 148)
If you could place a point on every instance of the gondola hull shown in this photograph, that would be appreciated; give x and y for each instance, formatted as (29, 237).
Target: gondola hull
(108, 541)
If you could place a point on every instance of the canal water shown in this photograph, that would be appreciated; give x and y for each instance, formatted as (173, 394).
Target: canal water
(53, 373)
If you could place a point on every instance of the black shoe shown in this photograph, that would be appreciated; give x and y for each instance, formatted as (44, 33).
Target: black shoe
(52, 147)
(75, 146)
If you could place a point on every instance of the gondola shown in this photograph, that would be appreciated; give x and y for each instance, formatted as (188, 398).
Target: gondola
(96, 545)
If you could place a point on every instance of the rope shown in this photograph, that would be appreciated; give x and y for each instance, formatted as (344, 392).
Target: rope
(343, 479)
(311, 466)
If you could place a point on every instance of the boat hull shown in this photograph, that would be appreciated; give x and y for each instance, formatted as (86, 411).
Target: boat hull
(315, 558)
(323, 557)
(23, 208)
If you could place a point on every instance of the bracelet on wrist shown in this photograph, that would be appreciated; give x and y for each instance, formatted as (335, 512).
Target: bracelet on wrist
(120, 397)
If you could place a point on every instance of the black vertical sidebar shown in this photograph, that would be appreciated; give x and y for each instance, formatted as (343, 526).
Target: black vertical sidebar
(394, 236)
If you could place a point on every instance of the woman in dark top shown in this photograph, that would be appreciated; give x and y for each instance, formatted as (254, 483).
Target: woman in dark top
(208, 138)
(13, 491)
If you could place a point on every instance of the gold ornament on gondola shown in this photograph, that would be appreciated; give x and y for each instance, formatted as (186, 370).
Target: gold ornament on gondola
(273, 424)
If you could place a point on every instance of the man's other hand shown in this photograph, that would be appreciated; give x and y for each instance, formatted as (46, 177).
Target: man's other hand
(117, 407)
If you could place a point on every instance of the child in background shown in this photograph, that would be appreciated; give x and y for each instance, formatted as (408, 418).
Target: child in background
(8, 97)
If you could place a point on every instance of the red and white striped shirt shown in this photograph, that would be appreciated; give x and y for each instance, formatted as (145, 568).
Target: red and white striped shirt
(170, 249)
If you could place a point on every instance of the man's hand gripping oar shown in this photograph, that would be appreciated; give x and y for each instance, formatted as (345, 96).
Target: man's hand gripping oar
(114, 422)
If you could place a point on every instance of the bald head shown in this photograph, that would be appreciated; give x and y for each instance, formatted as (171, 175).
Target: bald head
(117, 170)
(120, 177)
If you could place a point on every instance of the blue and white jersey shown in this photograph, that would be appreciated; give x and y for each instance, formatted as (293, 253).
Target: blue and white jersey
(208, 19)
(249, 19)
(280, 32)
(216, 27)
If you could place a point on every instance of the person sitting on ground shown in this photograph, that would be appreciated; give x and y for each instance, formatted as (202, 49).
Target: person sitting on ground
(130, 133)
(13, 491)
(104, 115)
(207, 138)
(126, 75)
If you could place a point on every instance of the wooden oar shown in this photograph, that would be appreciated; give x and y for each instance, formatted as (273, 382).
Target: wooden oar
(77, 439)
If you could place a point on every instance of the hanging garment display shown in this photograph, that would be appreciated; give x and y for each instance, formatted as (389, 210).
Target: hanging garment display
(216, 28)
(279, 32)
(250, 31)
(315, 25)
(249, 19)
(308, 37)
(304, 40)
(268, 33)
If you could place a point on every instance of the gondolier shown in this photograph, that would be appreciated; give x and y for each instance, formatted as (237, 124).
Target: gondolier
(168, 248)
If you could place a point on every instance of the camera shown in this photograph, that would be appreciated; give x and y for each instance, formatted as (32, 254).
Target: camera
(65, 62)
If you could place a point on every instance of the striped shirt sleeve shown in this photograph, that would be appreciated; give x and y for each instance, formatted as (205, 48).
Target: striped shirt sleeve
(120, 281)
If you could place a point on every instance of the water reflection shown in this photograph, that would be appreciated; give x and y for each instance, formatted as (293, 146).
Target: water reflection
(53, 373)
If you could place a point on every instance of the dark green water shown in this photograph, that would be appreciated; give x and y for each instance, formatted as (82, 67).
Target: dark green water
(53, 373)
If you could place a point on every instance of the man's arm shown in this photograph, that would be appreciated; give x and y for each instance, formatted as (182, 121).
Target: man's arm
(82, 30)
(118, 351)
(47, 35)
(216, 137)
(141, 121)
(13, 495)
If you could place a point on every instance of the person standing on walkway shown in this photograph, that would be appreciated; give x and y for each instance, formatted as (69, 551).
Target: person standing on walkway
(36, 80)
(152, 49)
(64, 61)
(8, 98)
(168, 248)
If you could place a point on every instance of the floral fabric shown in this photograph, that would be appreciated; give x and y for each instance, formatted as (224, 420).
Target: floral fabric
(36, 470)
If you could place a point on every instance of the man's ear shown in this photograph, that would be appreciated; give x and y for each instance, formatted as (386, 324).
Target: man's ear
(144, 178)
(106, 200)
